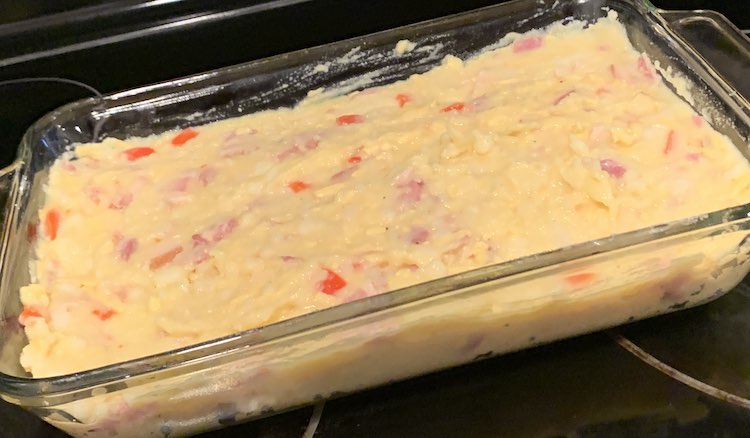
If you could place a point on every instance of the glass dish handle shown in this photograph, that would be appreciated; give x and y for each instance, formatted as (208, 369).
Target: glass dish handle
(713, 361)
(718, 41)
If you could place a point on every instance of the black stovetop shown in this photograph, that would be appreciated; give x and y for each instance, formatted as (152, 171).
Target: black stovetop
(584, 387)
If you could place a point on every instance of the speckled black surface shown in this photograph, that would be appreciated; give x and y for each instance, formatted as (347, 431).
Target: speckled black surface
(584, 387)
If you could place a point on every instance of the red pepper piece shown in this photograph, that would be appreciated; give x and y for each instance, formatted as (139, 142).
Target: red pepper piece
(30, 312)
(402, 99)
(298, 186)
(103, 314)
(184, 136)
(332, 283)
(669, 146)
(51, 224)
(349, 119)
(137, 153)
(162, 259)
(580, 279)
(354, 159)
(457, 107)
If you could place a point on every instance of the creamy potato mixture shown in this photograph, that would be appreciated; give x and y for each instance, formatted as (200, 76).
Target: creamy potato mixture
(563, 136)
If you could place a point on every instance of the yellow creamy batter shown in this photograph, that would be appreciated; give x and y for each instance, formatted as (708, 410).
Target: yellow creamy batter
(564, 136)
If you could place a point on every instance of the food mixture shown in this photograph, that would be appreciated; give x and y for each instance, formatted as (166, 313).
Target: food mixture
(561, 137)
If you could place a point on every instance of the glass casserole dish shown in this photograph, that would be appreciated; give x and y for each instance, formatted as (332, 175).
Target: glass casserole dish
(452, 320)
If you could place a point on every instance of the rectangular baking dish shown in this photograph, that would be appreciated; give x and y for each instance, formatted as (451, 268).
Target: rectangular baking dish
(383, 338)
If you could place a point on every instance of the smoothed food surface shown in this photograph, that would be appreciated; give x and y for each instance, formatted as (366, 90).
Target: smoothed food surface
(563, 136)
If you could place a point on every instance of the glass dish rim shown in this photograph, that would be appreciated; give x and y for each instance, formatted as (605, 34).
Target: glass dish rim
(14, 386)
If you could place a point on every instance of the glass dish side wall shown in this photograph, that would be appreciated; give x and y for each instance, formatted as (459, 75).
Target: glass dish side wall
(456, 327)
(213, 384)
